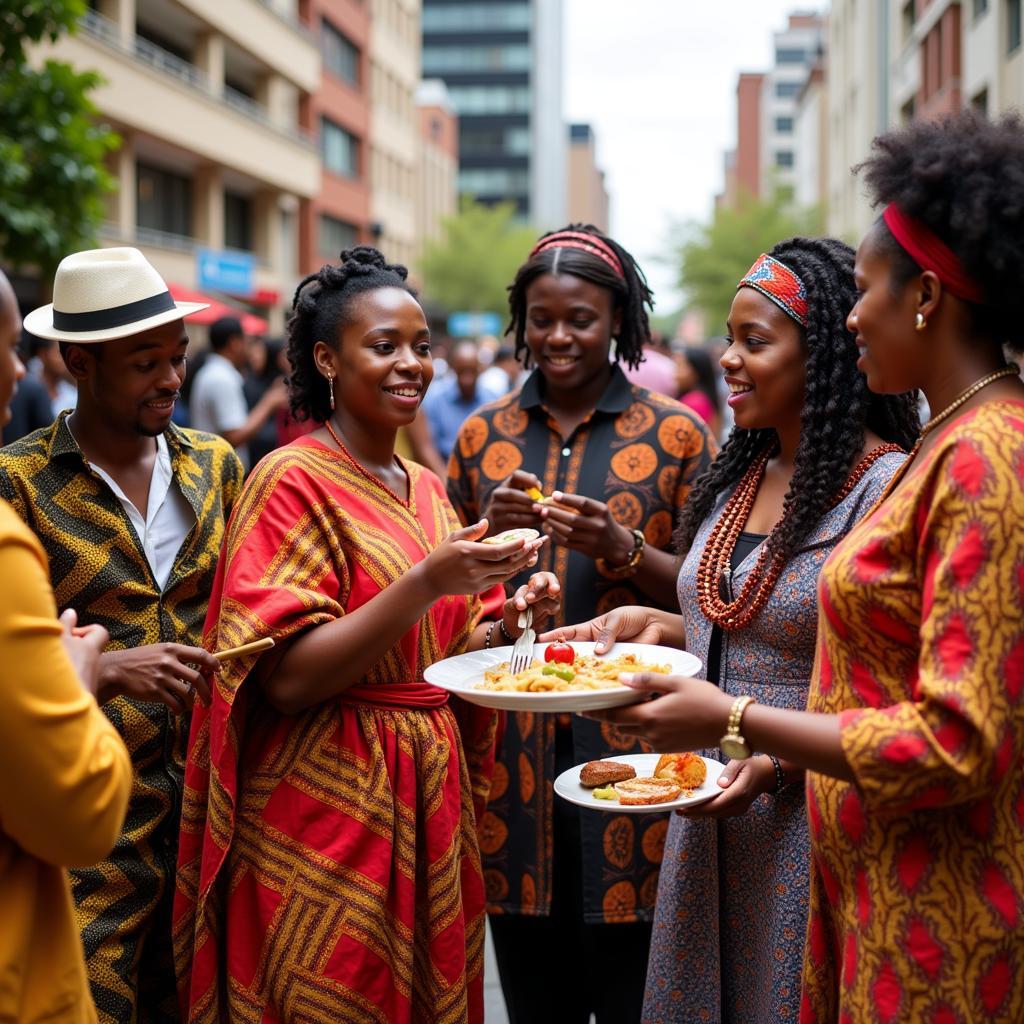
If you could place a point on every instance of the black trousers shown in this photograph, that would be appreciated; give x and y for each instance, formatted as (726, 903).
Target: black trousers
(557, 969)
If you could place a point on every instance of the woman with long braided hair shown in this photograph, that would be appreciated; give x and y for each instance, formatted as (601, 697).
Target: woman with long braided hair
(329, 867)
(811, 451)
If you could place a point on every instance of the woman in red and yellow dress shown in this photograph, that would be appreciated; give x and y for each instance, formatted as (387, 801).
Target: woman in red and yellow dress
(329, 867)
(914, 734)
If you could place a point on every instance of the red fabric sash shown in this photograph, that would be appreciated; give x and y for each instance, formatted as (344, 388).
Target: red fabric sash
(418, 696)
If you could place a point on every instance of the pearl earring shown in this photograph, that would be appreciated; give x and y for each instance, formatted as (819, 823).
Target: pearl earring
(921, 323)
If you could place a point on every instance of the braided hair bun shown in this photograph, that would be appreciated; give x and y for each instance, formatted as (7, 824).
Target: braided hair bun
(320, 309)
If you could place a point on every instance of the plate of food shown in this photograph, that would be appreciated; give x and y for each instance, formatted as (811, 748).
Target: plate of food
(641, 783)
(561, 677)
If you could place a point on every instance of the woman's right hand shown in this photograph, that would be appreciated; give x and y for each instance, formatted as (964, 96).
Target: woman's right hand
(631, 623)
(84, 645)
(509, 506)
(460, 564)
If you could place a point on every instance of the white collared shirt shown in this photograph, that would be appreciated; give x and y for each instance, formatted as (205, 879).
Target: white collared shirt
(169, 518)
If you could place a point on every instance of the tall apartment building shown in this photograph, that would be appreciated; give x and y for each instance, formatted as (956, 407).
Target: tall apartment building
(798, 48)
(587, 194)
(767, 155)
(394, 77)
(214, 162)
(437, 163)
(890, 63)
(502, 62)
(338, 114)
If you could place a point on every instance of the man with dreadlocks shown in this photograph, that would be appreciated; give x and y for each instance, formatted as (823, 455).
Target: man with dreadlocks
(563, 884)
(811, 451)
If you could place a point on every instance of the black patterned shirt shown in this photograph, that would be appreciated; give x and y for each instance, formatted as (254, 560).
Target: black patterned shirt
(639, 452)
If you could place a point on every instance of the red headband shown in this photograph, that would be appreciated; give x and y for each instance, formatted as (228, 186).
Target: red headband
(929, 252)
(775, 281)
(578, 240)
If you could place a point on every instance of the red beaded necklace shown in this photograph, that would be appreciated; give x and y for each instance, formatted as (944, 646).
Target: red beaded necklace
(716, 561)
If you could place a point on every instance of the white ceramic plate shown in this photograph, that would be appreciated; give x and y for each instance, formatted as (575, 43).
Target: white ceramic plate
(462, 675)
(568, 787)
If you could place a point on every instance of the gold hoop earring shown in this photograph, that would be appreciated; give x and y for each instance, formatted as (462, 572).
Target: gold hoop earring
(921, 323)
(330, 389)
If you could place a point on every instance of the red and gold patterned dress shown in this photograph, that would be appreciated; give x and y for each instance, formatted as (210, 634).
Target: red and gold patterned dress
(329, 868)
(917, 895)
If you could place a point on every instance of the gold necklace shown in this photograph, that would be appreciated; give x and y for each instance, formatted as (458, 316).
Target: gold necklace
(1009, 370)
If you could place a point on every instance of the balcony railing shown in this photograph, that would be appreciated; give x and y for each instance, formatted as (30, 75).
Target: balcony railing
(160, 60)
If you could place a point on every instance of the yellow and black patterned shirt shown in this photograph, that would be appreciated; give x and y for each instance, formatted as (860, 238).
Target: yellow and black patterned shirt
(99, 568)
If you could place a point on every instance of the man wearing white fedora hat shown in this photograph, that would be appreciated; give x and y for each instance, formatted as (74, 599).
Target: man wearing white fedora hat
(131, 510)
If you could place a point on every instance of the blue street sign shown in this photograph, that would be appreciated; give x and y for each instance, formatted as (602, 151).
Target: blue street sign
(230, 272)
(469, 325)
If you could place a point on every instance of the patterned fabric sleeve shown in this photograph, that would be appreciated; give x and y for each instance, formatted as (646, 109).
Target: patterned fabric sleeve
(462, 491)
(964, 726)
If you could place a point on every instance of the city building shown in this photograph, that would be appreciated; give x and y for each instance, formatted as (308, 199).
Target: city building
(437, 164)
(892, 63)
(214, 161)
(338, 114)
(810, 137)
(502, 62)
(588, 196)
(394, 134)
(798, 48)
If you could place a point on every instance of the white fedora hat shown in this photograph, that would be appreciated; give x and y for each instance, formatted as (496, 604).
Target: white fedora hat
(104, 294)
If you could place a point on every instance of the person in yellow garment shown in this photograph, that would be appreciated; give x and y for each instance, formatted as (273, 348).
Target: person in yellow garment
(64, 772)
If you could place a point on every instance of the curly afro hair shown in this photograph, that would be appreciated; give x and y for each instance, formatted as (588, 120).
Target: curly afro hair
(320, 309)
(962, 177)
(838, 408)
(630, 294)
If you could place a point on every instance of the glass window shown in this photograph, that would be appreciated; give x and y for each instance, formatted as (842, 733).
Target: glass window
(784, 90)
(163, 200)
(494, 181)
(339, 149)
(438, 60)
(341, 57)
(784, 158)
(791, 55)
(481, 141)
(784, 125)
(1012, 25)
(335, 235)
(474, 17)
(237, 221)
(490, 99)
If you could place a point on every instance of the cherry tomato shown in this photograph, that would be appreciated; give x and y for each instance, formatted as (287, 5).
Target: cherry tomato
(559, 652)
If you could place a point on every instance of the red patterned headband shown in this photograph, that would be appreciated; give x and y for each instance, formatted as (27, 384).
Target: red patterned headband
(775, 281)
(578, 240)
(930, 252)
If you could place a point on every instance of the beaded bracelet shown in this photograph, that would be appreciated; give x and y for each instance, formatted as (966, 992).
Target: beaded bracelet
(780, 775)
(508, 636)
(488, 635)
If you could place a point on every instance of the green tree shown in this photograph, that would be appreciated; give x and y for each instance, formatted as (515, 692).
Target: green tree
(714, 256)
(474, 261)
(52, 147)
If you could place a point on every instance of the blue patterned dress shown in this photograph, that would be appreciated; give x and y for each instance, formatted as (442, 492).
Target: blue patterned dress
(732, 899)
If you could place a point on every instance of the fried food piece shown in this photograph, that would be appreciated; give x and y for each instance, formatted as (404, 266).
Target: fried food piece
(535, 493)
(635, 792)
(604, 773)
(687, 770)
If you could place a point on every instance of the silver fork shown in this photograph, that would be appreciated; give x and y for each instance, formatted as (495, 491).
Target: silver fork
(522, 649)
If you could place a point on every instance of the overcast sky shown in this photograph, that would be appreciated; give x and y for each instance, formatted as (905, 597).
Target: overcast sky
(657, 80)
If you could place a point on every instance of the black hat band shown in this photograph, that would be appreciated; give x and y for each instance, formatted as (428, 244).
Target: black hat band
(115, 316)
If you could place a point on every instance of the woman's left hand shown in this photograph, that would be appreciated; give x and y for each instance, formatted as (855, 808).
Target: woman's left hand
(586, 525)
(742, 783)
(542, 592)
(688, 714)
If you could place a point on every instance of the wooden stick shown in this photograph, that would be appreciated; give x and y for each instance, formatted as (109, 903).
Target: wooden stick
(240, 652)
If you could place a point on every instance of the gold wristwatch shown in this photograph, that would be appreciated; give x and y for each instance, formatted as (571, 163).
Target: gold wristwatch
(732, 744)
(630, 566)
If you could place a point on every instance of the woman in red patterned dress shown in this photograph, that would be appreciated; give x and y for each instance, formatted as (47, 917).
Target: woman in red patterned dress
(914, 734)
(329, 867)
